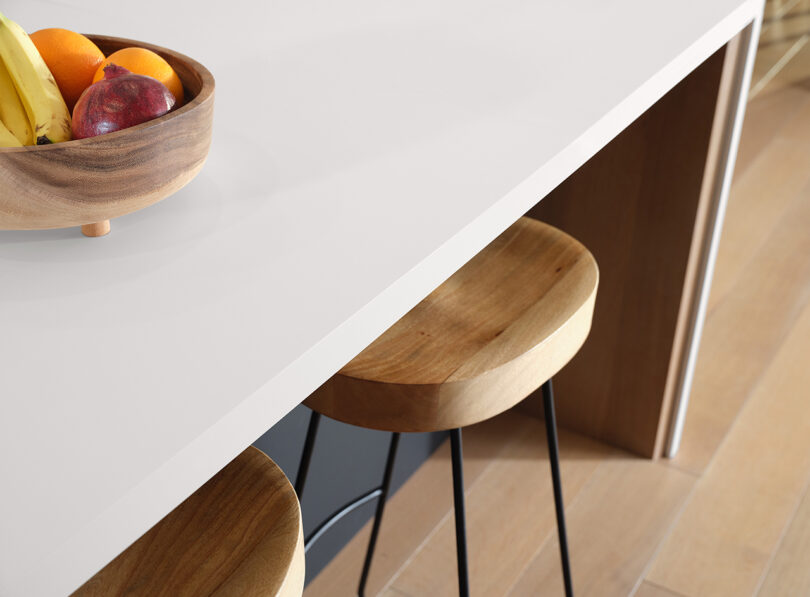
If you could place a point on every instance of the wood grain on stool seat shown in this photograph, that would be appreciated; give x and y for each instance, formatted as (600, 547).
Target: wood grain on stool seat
(240, 534)
(485, 339)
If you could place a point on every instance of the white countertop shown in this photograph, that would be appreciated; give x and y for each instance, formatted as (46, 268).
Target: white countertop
(363, 150)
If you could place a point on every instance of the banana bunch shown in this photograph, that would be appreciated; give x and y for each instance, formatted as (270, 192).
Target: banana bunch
(32, 110)
(7, 139)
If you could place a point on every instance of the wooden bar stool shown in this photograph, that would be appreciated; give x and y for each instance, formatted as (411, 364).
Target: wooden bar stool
(494, 332)
(240, 534)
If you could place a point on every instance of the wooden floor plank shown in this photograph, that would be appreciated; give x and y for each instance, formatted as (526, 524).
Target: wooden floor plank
(788, 31)
(613, 529)
(794, 72)
(647, 589)
(743, 334)
(509, 510)
(769, 61)
(759, 200)
(766, 118)
(793, 23)
(789, 573)
(722, 543)
(775, 8)
(409, 518)
(767, 113)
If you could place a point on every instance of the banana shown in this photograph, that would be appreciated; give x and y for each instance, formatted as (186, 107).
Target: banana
(12, 112)
(7, 139)
(36, 87)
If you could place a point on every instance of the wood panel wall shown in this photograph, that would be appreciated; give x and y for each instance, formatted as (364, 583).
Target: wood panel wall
(636, 206)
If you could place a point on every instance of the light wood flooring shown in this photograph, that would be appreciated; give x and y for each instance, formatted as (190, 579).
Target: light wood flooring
(730, 515)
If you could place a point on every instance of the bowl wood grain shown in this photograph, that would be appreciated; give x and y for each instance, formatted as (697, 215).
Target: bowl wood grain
(89, 181)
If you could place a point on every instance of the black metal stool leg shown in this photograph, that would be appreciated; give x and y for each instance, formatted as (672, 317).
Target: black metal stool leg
(375, 529)
(554, 459)
(458, 504)
(306, 455)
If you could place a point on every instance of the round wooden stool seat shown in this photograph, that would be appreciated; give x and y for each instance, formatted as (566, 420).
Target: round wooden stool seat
(481, 342)
(240, 534)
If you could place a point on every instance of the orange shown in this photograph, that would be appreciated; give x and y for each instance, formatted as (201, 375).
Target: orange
(72, 59)
(144, 62)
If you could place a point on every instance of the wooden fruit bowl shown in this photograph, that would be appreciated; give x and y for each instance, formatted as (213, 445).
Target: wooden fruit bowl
(87, 182)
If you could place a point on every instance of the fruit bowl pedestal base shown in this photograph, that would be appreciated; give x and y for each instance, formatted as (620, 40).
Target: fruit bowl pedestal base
(96, 229)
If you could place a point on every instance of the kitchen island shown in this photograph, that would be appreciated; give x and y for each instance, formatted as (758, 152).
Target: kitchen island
(362, 152)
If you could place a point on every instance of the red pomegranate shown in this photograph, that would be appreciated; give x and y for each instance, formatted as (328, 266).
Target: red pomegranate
(118, 101)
